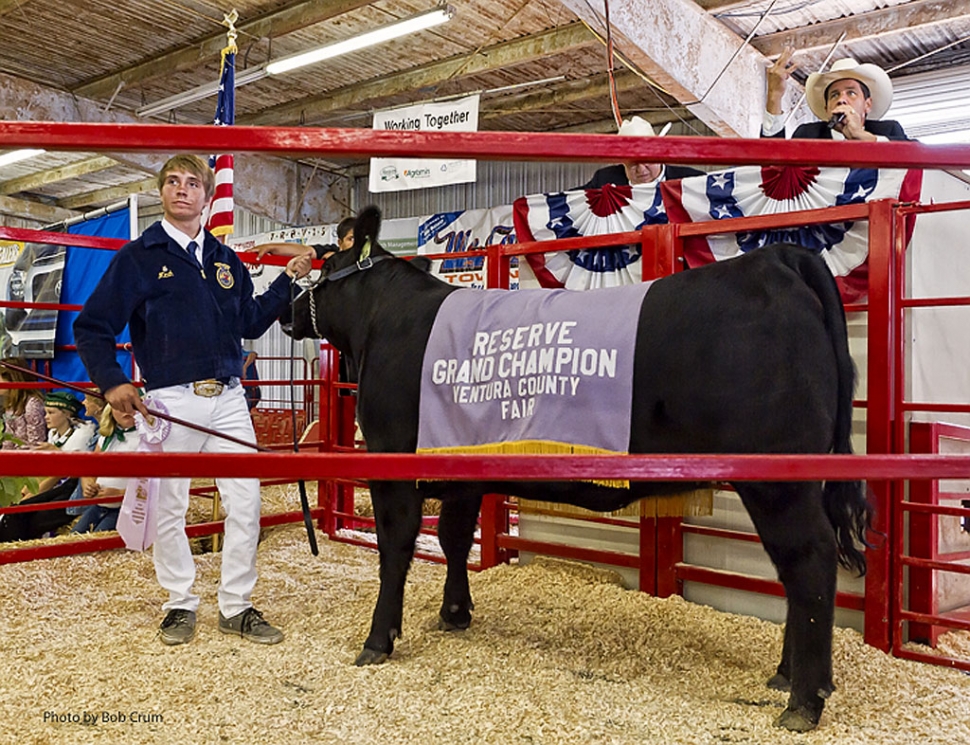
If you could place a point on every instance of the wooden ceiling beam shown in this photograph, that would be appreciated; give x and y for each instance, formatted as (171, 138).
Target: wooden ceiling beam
(712, 5)
(36, 211)
(506, 54)
(899, 19)
(53, 175)
(205, 50)
(107, 195)
(559, 94)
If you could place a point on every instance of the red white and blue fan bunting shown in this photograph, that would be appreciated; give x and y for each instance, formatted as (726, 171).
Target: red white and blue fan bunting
(570, 214)
(772, 190)
(740, 192)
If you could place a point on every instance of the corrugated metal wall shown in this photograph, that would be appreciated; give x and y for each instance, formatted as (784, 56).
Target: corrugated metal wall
(498, 183)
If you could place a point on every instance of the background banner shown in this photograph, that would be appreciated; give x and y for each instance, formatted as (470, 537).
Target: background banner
(399, 174)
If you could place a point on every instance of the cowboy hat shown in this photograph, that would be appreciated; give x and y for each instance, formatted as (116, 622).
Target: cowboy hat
(636, 127)
(872, 76)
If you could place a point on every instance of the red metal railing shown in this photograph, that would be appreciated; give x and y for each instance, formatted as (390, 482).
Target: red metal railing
(884, 307)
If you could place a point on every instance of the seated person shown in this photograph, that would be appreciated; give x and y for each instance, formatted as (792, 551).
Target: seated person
(23, 409)
(65, 430)
(116, 435)
(66, 433)
(345, 240)
(93, 406)
(635, 173)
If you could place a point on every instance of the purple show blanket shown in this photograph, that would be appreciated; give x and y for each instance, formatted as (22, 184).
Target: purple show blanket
(530, 371)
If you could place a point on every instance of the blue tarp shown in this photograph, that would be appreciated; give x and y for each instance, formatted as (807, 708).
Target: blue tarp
(83, 269)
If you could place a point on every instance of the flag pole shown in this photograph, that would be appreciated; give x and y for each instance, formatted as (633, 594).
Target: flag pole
(220, 218)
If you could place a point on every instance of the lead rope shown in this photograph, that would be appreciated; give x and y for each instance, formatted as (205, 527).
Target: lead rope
(304, 501)
(153, 412)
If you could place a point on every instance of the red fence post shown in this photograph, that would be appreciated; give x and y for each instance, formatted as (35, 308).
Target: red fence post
(661, 538)
(326, 497)
(880, 416)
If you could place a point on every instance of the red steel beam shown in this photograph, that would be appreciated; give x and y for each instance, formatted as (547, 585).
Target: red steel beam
(409, 466)
(504, 146)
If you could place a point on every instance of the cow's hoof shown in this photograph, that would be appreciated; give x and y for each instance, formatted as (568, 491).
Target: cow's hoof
(779, 682)
(797, 720)
(370, 657)
(445, 624)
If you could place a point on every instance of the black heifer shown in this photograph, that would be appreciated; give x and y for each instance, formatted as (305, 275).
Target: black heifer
(744, 356)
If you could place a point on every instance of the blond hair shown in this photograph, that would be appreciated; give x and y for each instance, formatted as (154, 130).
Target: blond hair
(106, 422)
(190, 164)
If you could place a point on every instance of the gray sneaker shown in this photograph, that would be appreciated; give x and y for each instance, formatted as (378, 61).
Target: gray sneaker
(178, 627)
(250, 625)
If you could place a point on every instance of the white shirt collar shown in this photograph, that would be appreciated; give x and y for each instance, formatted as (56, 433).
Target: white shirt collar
(181, 238)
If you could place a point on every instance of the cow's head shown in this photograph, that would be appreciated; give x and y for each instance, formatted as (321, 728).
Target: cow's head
(332, 307)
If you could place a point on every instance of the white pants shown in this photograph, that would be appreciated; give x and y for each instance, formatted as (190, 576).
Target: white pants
(174, 566)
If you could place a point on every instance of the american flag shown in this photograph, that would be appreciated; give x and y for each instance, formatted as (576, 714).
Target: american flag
(220, 209)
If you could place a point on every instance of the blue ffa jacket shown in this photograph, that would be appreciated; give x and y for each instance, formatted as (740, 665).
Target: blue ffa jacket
(186, 324)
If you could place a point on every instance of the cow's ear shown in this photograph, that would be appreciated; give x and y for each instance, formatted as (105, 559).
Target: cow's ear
(365, 250)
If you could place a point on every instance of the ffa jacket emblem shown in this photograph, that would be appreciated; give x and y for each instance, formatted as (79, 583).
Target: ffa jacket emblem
(165, 273)
(224, 276)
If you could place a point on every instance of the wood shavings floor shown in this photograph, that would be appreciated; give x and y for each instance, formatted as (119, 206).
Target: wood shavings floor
(557, 653)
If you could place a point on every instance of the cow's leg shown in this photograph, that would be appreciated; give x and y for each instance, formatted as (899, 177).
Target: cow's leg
(397, 513)
(456, 532)
(800, 541)
(781, 680)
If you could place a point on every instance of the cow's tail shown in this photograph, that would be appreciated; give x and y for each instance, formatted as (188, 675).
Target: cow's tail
(846, 505)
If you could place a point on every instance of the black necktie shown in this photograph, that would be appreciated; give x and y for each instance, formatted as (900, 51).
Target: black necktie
(191, 249)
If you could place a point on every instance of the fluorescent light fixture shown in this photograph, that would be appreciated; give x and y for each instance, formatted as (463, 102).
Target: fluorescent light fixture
(197, 94)
(15, 156)
(410, 25)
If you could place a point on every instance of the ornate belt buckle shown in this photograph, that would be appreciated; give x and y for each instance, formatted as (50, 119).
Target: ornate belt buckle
(207, 388)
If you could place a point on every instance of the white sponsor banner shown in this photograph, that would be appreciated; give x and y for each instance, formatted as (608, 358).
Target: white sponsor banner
(399, 174)
(468, 230)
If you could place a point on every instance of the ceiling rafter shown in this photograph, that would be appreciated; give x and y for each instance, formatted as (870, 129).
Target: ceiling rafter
(108, 194)
(899, 19)
(558, 94)
(53, 175)
(204, 50)
(30, 210)
(505, 54)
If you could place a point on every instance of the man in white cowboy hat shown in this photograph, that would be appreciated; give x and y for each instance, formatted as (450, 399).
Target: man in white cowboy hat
(849, 99)
(637, 172)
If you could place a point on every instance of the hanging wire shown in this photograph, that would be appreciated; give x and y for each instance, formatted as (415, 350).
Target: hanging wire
(825, 63)
(653, 85)
(610, 68)
(901, 65)
(741, 47)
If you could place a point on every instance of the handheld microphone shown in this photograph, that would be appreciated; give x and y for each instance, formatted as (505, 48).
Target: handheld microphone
(836, 120)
